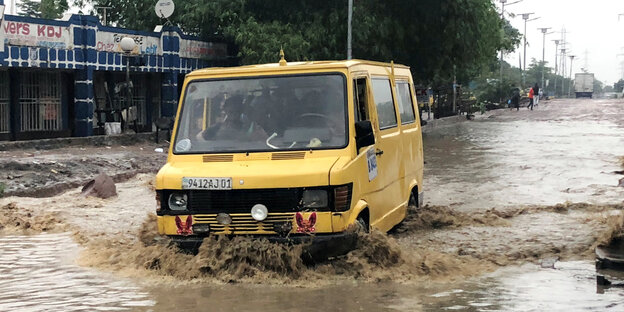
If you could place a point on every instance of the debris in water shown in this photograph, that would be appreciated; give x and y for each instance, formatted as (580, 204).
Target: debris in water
(102, 186)
(549, 263)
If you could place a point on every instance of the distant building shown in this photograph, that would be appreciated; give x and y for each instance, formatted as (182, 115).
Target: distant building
(66, 78)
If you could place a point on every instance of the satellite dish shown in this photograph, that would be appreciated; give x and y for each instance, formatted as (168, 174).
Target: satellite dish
(164, 8)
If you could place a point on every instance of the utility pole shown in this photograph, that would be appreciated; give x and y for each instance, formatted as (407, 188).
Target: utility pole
(556, 72)
(103, 8)
(570, 84)
(544, 30)
(350, 14)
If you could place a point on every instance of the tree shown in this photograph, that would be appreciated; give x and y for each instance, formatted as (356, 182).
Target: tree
(29, 8)
(440, 39)
(619, 86)
(50, 9)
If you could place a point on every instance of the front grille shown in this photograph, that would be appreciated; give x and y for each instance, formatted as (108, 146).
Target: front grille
(243, 223)
(241, 201)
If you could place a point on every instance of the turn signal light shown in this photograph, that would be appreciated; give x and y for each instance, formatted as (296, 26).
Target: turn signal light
(342, 198)
(158, 201)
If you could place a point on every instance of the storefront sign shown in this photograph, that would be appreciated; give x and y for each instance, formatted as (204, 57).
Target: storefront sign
(1, 32)
(37, 35)
(109, 42)
(202, 50)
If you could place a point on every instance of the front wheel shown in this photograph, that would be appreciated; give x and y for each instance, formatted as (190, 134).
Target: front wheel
(361, 226)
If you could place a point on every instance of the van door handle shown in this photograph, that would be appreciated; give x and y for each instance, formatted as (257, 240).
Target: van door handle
(379, 152)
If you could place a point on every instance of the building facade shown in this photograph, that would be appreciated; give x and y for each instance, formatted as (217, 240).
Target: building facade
(68, 78)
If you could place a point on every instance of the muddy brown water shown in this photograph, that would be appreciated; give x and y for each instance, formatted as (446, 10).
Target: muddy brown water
(492, 238)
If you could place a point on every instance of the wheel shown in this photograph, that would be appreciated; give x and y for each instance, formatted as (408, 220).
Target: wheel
(413, 201)
(361, 226)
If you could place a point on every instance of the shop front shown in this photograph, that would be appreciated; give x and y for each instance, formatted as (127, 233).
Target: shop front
(70, 78)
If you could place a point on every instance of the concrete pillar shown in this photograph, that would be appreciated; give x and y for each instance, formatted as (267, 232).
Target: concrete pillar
(83, 102)
(86, 55)
(171, 68)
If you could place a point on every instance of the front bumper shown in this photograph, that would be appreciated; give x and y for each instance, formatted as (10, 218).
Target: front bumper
(316, 247)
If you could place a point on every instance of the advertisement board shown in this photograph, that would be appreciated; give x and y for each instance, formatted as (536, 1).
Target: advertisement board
(109, 42)
(202, 50)
(37, 35)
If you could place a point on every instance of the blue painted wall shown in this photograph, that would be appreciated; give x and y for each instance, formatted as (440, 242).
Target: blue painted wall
(170, 52)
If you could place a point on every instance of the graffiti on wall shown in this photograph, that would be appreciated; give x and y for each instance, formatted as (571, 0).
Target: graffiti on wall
(109, 42)
(37, 35)
(202, 50)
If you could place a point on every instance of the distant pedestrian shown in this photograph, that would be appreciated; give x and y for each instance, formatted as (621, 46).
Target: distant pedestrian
(515, 98)
(537, 92)
(531, 96)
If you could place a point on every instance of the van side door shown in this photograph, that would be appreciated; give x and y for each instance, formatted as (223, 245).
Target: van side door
(387, 198)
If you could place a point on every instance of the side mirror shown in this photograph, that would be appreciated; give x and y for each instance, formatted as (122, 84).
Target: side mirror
(364, 135)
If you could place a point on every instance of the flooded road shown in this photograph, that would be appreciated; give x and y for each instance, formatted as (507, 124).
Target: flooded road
(502, 233)
(39, 274)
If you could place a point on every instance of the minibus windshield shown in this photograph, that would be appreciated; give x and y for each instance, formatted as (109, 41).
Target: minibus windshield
(272, 113)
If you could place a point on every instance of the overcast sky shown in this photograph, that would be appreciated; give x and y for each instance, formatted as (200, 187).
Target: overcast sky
(591, 26)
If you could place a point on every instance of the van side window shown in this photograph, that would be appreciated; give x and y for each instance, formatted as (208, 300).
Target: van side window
(406, 105)
(360, 97)
(382, 92)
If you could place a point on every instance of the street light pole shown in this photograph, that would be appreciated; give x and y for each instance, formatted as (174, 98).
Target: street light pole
(127, 44)
(570, 84)
(500, 81)
(544, 30)
(350, 18)
(556, 70)
(525, 17)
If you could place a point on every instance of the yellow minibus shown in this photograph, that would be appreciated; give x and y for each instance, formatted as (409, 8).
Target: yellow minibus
(293, 152)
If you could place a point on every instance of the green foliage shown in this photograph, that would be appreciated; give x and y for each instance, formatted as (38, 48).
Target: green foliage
(51, 9)
(29, 8)
(598, 86)
(438, 39)
(619, 86)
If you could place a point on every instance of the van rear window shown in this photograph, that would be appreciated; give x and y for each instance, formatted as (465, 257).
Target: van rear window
(406, 105)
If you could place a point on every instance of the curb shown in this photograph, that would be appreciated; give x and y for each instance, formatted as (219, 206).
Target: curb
(442, 122)
(100, 140)
(58, 188)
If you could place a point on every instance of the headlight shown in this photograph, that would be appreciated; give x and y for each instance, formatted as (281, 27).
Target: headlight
(314, 199)
(259, 212)
(177, 201)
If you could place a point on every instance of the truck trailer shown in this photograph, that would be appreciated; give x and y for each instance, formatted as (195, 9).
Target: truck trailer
(584, 85)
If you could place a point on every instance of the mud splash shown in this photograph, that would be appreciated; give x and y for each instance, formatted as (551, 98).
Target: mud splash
(437, 217)
(18, 220)
(615, 229)
(377, 257)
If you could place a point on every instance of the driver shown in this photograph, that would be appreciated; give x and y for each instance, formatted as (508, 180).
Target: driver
(234, 124)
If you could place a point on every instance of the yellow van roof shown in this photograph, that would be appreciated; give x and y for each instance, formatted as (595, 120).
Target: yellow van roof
(273, 67)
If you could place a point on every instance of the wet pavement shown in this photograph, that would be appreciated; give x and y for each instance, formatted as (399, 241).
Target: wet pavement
(500, 175)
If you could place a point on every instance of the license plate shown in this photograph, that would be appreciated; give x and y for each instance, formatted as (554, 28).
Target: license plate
(207, 183)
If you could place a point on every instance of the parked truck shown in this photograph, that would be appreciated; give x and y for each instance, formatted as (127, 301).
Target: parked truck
(584, 85)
